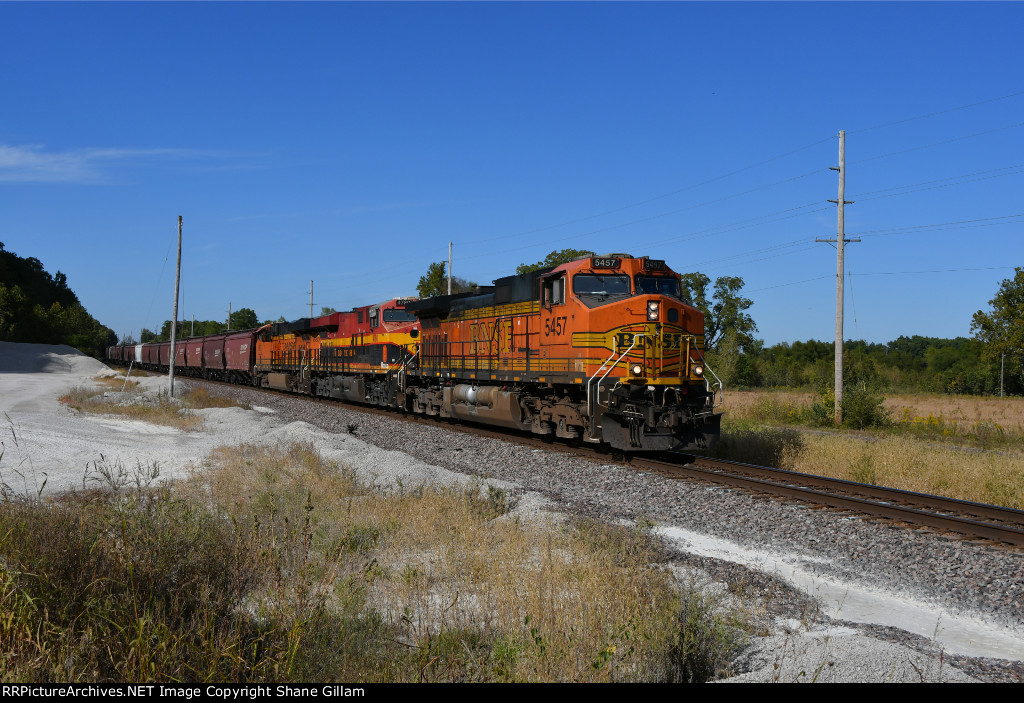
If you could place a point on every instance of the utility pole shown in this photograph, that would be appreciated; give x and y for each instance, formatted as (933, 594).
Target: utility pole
(311, 299)
(174, 324)
(1002, 365)
(840, 241)
(193, 332)
(449, 268)
(229, 315)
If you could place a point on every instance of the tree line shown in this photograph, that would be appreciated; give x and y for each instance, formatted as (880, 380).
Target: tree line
(40, 308)
(990, 361)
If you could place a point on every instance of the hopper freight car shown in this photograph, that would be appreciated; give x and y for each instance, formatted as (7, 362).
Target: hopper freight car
(219, 357)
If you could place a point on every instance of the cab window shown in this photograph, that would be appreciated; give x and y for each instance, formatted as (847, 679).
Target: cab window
(597, 284)
(658, 285)
(554, 291)
(396, 315)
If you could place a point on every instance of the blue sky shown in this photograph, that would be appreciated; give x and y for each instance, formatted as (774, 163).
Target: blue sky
(348, 143)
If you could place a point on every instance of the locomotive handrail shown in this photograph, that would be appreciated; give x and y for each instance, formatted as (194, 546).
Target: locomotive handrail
(721, 386)
(404, 364)
(593, 401)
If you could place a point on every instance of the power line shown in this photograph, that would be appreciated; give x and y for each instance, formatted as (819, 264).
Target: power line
(723, 229)
(946, 141)
(663, 195)
(967, 224)
(776, 158)
(879, 273)
(936, 187)
(792, 283)
(649, 218)
(934, 114)
(902, 273)
(159, 279)
(801, 245)
(948, 178)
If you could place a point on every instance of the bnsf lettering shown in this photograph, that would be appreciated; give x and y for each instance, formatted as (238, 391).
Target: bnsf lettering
(489, 338)
(668, 340)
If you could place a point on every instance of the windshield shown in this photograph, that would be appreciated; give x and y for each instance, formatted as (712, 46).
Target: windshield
(395, 315)
(597, 284)
(660, 285)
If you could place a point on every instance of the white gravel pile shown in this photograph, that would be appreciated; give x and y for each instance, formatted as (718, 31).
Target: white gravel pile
(49, 447)
(956, 602)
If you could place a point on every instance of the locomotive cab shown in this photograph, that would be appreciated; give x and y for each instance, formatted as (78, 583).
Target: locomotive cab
(622, 323)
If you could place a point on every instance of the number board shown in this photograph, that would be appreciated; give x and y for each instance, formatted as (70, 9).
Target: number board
(654, 264)
(605, 263)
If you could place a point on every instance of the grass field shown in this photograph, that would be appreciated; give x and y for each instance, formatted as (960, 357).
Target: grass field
(961, 447)
(272, 564)
(953, 413)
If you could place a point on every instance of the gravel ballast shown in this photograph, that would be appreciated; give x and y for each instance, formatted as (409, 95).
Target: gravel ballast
(977, 583)
(838, 598)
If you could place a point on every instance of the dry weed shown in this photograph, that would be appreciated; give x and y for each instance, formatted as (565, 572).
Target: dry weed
(912, 465)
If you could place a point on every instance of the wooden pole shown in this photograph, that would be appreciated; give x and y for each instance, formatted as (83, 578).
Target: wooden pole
(840, 242)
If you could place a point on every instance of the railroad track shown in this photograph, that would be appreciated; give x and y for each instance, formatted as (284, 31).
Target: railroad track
(972, 520)
(979, 520)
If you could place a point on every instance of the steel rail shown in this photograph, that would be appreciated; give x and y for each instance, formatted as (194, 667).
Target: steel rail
(974, 528)
(932, 502)
(881, 506)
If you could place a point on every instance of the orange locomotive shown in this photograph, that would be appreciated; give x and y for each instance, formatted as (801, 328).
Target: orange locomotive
(353, 355)
(602, 349)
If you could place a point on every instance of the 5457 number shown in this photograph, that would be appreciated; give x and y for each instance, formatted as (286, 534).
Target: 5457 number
(554, 326)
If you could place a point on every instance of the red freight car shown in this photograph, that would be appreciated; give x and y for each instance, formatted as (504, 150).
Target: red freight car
(239, 356)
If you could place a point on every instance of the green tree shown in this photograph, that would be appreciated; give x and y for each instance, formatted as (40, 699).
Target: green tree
(325, 310)
(724, 312)
(40, 308)
(435, 282)
(1001, 330)
(555, 258)
(244, 319)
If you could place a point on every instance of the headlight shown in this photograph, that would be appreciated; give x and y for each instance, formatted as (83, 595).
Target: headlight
(653, 308)
(637, 369)
(698, 370)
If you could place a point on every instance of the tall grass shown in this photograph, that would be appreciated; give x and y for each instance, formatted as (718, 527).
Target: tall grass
(273, 564)
(985, 423)
(961, 453)
(157, 408)
(903, 462)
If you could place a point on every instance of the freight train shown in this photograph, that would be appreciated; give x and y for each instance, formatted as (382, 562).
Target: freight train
(602, 349)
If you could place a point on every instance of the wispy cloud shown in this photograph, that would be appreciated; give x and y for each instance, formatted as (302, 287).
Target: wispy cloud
(33, 163)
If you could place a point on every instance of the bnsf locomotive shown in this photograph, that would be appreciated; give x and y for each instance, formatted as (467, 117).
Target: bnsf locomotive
(601, 349)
